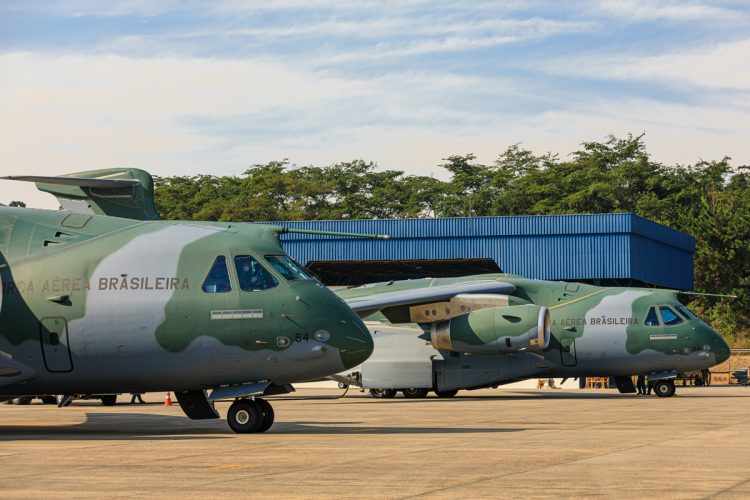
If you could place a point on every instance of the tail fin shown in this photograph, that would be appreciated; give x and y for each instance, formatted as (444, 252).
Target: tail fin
(120, 192)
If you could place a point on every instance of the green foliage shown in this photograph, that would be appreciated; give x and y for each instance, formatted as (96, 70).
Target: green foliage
(709, 200)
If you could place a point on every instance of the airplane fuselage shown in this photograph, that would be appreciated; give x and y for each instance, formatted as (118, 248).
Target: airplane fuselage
(595, 331)
(96, 304)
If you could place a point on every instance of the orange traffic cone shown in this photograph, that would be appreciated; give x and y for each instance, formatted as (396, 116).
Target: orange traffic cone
(168, 399)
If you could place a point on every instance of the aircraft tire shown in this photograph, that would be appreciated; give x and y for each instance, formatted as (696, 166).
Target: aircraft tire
(664, 388)
(383, 393)
(245, 417)
(268, 414)
(415, 393)
(446, 394)
(109, 400)
(24, 400)
(49, 400)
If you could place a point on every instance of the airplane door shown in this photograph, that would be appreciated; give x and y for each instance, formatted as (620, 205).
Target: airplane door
(53, 335)
(568, 351)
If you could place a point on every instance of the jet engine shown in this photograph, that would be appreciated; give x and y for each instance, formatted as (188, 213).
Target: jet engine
(495, 330)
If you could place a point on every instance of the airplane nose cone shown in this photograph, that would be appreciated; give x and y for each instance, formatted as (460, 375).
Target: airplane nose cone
(713, 342)
(344, 329)
(354, 342)
(720, 348)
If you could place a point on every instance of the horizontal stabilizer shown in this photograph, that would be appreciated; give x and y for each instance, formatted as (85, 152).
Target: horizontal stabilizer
(75, 181)
(119, 192)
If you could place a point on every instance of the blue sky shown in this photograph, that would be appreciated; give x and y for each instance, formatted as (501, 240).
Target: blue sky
(212, 87)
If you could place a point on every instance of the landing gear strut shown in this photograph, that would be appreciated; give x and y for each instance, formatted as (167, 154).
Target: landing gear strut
(250, 416)
(664, 388)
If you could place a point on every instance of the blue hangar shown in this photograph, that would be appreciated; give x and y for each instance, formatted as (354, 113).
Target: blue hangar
(606, 249)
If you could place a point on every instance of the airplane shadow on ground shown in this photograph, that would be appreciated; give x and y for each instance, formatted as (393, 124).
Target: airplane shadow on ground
(364, 399)
(141, 426)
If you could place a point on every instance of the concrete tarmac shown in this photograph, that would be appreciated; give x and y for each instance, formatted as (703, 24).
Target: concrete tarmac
(482, 444)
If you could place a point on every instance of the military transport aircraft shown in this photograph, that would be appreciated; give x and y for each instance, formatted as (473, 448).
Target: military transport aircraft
(446, 334)
(102, 298)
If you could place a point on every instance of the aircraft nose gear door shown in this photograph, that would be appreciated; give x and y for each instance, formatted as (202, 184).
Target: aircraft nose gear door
(55, 345)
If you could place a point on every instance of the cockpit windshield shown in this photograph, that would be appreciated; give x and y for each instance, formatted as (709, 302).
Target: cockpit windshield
(251, 275)
(286, 267)
(685, 311)
(668, 316)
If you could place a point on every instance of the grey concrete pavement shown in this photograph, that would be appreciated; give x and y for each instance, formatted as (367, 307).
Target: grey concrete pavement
(486, 444)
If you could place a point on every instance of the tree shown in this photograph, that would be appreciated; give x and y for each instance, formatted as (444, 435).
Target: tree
(709, 200)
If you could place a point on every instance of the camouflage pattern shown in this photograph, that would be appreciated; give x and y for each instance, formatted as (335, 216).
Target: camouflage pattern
(595, 331)
(99, 304)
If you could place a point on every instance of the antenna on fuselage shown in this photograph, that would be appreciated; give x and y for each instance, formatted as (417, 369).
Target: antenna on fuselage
(704, 294)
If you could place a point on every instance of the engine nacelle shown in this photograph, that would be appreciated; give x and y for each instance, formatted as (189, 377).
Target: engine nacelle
(495, 330)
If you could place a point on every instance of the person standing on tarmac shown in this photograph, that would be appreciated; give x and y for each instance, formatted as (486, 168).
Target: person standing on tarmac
(136, 396)
(641, 385)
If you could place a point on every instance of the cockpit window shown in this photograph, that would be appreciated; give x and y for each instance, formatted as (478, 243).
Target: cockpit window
(669, 316)
(287, 267)
(685, 312)
(651, 318)
(251, 275)
(217, 280)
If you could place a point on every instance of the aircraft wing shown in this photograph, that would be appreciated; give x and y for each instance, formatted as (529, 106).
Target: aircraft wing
(398, 301)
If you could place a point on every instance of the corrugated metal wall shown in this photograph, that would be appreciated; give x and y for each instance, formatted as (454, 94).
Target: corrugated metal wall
(559, 247)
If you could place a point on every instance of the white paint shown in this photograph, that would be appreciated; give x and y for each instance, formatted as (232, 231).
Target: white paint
(237, 314)
(125, 315)
(607, 340)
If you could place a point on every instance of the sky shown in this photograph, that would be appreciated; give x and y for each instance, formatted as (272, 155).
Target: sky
(188, 87)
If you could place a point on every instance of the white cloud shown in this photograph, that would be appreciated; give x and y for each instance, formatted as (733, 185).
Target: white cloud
(670, 10)
(69, 113)
(721, 66)
(410, 27)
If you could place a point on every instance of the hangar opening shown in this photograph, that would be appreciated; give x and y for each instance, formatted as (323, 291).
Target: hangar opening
(360, 272)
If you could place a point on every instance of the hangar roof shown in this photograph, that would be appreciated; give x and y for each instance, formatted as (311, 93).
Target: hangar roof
(616, 247)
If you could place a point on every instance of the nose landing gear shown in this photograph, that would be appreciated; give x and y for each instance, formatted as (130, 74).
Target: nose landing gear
(247, 416)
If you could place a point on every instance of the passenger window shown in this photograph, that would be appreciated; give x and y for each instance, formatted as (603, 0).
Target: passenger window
(252, 275)
(651, 318)
(669, 316)
(286, 267)
(217, 280)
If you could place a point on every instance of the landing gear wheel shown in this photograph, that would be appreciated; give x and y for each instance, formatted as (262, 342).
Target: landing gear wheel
(268, 415)
(24, 400)
(245, 416)
(664, 388)
(109, 400)
(446, 394)
(415, 393)
(49, 400)
(383, 393)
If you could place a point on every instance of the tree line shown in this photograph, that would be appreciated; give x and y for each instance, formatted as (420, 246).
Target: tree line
(709, 200)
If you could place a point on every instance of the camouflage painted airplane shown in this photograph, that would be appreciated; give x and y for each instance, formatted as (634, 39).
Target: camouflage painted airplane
(102, 298)
(447, 334)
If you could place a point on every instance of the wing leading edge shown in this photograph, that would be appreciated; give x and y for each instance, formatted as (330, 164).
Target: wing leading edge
(377, 301)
